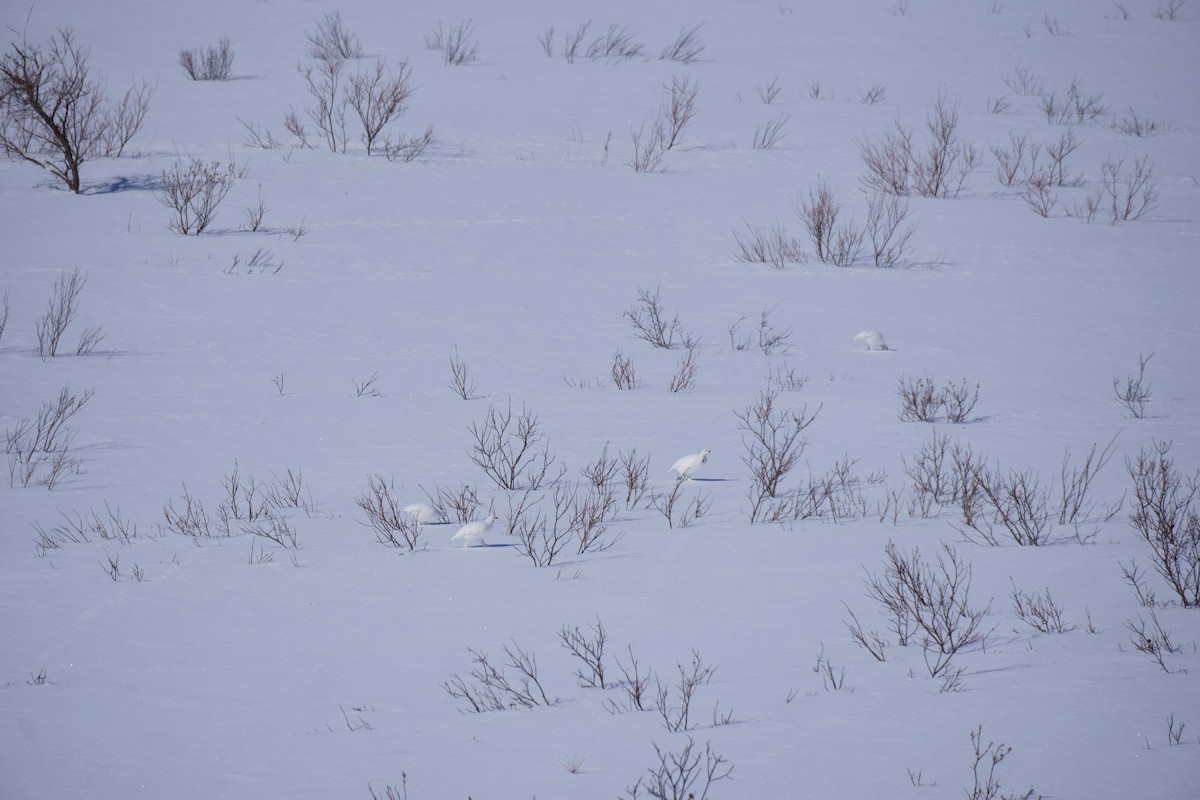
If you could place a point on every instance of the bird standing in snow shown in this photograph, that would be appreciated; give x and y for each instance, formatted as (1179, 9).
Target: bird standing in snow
(424, 514)
(873, 340)
(472, 533)
(688, 466)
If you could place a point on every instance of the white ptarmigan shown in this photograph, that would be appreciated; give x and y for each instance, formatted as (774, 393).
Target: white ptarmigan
(688, 466)
(425, 514)
(472, 533)
(873, 340)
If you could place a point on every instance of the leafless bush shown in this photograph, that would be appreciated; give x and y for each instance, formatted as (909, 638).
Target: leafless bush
(39, 450)
(1122, 12)
(999, 105)
(260, 262)
(1075, 504)
(55, 114)
(819, 215)
(649, 320)
(506, 449)
(1054, 27)
(947, 161)
(686, 48)
(1136, 392)
(785, 377)
(766, 246)
(920, 401)
(930, 599)
(275, 529)
(684, 379)
(1166, 515)
(1018, 503)
(649, 147)
(635, 684)
(1133, 125)
(491, 689)
(289, 491)
(986, 786)
(546, 40)
(254, 214)
(679, 776)
(1167, 11)
(773, 442)
(367, 387)
(770, 92)
(623, 374)
(1126, 195)
(244, 500)
(463, 501)
(323, 78)
(872, 96)
(1024, 81)
(191, 520)
(1134, 576)
(886, 215)
(458, 44)
(589, 649)
(77, 528)
(409, 148)
(1058, 152)
(1174, 732)
(675, 707)
(460, 380)
(1037, 194)
(194, 191)
(678, 109)
(1038, 612)
(61, 310)
(209, 64)
(379, 97)
(635, 473)
(772, 133)
(617, 42)
(573, 42)
(1074, 106)
(888, 161)
(1155, 642)
(332, 42)
(3, 313)
(386, 516)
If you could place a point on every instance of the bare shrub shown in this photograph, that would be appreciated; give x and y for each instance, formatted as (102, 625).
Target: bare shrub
(194, 191)
(635, 473)
(379, 97)
(1127, 195)
(872, 96)
(929, 599)
(39, 450)
(1133, 125)
(766, 246)
(331, 41)
(458, 44)
(674, 707)
(546, 40)
(771, 338)
(409, 148)
(1075, 504)
(650, 324)
(367, 387)
(1038, 612)
(920, 401)
(684, 379)
(947, 161)
(770, 92)
(1155, 642)
(886, 231)
(588, 648)
(209, 64)
(463, 501)
(506, 449)
(191, 520)
(491, 688)
(773, 442)
(772, 133)
(323, 79)
(573, 42)
(678, 109)
(1167, 11)
(1166, 516)
(1018, 503)
(289, 491)
(460, 379)
(1054, 27)
(55, 114)
(649, 147)
(819, 215)
(985, 784)
(622, 372)
(61, 310)
(888, 161)
(386, 516)
(617, 42)
(999, 105)
(679, 776)
(1024, 81)
(3, 313)
(686, 48)
(260, 262)
(1135, 393)
(1074, 106)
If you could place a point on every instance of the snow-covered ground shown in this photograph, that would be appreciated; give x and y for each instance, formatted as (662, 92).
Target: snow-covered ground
(228, 666)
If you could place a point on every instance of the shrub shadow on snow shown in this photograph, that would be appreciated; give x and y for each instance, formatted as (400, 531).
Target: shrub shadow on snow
(123, 183)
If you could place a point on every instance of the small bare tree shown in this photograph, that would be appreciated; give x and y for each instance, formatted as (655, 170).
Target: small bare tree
(458, 44)
(679, 108)
(61, 311)
(1136, 392)
(385, 515)
(506, 448)
(686, 48)
(1166, 515)
(56, 115)
(773, 441)
(332, 42)
(460, 380)
(378, 97)
(684, 379)
(681, 775)
(772, 133)
(649, 320)
(193, 191)
(210, 64)
(589, 649)
(39, 450)
(323, 78)
(622, 372)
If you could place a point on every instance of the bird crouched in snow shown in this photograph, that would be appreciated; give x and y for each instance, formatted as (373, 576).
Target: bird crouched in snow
(472, 533)
(425, 514)
(873, 340)
(688, 466)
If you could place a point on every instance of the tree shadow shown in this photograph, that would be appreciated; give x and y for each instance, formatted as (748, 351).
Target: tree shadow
(123, 183)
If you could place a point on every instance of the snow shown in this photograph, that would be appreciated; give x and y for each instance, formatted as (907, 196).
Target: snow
(516, 240)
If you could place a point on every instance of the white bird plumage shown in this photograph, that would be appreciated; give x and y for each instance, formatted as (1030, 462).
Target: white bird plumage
(688, 466)
(873, 340)
(424, 514)
(472, 533)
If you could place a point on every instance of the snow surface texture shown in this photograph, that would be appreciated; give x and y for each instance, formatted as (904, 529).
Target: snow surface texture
(240, 666)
